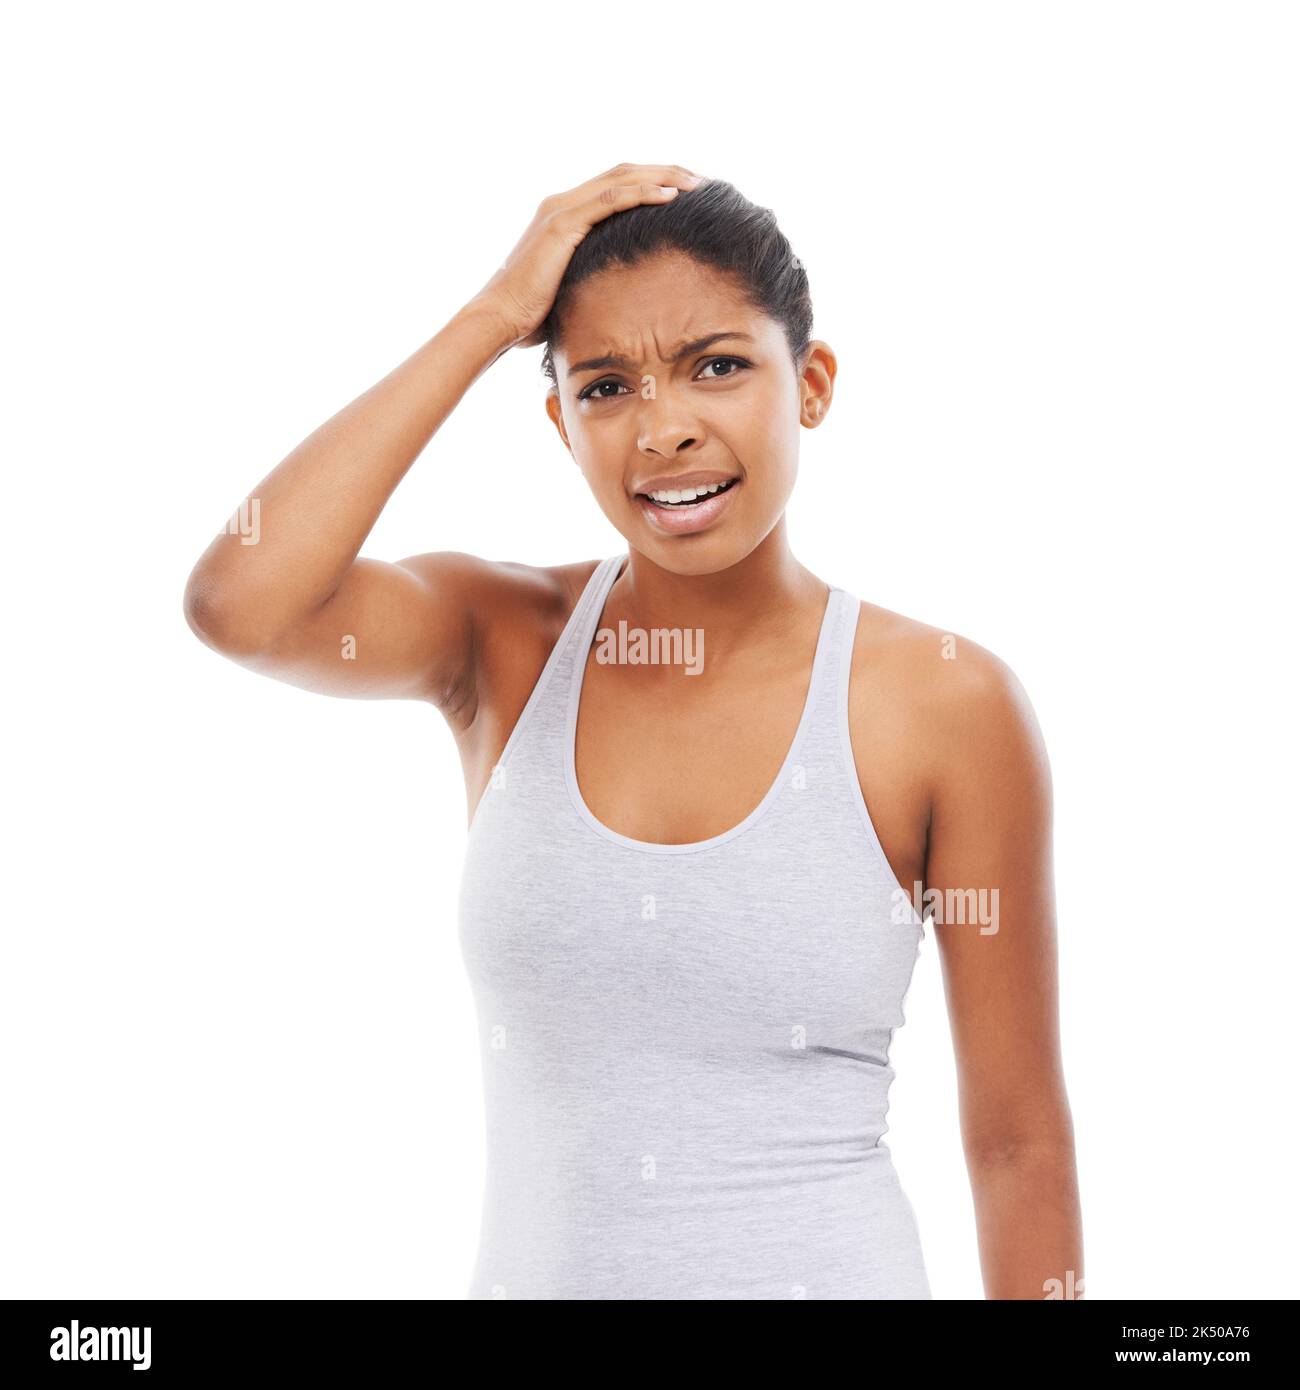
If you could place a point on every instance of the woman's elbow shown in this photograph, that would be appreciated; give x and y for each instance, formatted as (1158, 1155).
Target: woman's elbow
(219, 620)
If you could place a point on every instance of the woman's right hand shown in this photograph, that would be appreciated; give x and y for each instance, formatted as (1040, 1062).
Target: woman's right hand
(522, 292)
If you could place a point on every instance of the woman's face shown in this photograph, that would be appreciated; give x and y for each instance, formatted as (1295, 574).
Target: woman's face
(668, 383)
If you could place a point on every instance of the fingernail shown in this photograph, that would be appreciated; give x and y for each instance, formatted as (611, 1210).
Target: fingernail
(665, 188)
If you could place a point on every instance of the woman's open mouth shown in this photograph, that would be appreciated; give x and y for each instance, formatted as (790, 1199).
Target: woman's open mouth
(682, 510)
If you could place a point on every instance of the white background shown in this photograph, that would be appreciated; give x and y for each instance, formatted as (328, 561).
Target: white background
(1054, 247)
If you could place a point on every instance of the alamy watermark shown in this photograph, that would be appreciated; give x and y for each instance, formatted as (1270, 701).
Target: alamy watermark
(656, 646)
(246, 523)
(77, 1343)
(952, 906)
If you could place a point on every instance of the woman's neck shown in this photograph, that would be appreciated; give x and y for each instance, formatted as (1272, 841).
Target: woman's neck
(766, 592)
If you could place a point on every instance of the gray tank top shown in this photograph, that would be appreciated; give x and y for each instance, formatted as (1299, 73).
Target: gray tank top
(685, 1048)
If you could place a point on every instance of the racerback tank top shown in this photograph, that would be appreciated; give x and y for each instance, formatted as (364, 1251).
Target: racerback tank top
(685, 1047)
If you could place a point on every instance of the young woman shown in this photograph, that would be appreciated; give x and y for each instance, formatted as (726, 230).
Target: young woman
(689, 939)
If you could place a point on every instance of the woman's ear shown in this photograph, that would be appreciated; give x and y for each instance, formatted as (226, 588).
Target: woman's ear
(557, 417)
(817, 383)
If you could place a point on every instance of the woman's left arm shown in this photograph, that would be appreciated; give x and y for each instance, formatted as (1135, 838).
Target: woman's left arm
(989, 876)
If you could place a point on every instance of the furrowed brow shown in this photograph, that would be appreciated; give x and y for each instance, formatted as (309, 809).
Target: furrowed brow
(593, 364)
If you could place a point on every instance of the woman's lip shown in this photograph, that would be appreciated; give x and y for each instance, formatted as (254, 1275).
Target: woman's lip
(681, 521)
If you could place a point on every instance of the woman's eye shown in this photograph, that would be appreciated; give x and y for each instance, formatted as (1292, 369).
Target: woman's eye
(595, 391)
(731, 362)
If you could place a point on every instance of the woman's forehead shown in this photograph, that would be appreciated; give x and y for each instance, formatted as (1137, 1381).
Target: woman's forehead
(635, 316)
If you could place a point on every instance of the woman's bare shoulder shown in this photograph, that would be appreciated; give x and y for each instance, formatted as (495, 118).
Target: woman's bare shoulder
(921, 653)
(946, 695)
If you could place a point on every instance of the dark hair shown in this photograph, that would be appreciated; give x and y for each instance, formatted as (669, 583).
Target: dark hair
(718, 226)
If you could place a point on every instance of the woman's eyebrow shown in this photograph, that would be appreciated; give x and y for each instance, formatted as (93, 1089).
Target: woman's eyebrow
(614, 360)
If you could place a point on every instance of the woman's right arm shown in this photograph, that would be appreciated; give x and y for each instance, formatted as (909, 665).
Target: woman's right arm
(286, 592)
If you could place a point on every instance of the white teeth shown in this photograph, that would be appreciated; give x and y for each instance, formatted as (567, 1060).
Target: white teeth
(686, 494)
